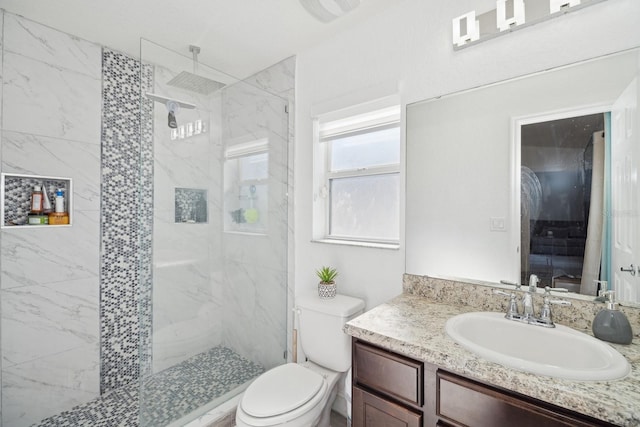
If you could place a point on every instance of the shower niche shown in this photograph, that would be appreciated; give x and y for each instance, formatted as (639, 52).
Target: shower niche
(191, 206)
(16, 191)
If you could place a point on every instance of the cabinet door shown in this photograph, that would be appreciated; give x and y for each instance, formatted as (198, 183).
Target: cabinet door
(372, 411)
(389, 374)
(464, 402)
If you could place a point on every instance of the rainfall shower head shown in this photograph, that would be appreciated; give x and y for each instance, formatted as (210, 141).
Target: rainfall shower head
(192, 81)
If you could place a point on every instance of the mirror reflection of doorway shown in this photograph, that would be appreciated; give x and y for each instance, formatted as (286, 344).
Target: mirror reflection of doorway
(562, 201)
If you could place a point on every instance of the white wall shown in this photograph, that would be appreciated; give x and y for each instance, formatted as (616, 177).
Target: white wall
(408, 50)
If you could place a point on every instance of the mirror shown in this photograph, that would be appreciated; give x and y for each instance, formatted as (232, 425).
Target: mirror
(463, 192)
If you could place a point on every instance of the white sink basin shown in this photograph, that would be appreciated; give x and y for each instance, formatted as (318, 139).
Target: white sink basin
(559, 352)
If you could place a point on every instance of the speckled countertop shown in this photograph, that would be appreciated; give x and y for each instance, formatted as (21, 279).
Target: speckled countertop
(413, 325)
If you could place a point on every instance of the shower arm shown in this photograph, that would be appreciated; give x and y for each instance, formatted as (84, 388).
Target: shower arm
(195, 50)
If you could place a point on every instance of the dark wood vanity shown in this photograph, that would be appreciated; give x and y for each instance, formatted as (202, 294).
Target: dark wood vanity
(392, 390)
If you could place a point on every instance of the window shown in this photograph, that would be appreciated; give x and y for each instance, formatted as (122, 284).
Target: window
(358, 177)
(246, 173)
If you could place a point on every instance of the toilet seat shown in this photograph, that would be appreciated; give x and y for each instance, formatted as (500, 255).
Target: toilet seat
(282, 394)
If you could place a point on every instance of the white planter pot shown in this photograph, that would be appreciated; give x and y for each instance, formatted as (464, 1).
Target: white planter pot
(326, 290)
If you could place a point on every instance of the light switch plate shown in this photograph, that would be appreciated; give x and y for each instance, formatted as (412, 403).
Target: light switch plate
(497, 224)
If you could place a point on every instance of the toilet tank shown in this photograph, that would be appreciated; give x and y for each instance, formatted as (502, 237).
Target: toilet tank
(320, 329)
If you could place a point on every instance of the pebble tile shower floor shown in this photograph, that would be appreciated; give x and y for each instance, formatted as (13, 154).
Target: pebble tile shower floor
(167, 395)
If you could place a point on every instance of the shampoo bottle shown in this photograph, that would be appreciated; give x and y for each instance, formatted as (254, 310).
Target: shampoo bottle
(612, 325)
(36, 200)
(59, 200)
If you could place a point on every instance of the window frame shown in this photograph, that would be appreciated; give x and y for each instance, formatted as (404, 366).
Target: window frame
(390, 119)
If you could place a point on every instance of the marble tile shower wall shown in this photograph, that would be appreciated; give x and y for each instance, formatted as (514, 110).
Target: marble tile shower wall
(51, 98)
(187, 307)
(255, 311)
(50, 296)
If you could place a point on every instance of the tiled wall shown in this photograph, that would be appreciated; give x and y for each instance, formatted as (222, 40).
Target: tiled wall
(186, 256)
(127, 149)
(255, 312)
(69, 296)
(51, 90)
(213, 287)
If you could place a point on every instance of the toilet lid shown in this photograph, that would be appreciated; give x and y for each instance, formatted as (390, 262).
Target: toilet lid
(280, 390)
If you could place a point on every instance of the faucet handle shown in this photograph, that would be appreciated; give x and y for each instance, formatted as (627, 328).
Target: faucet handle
(546, 316)
(507, 282)
(547, 295)
(512, 310)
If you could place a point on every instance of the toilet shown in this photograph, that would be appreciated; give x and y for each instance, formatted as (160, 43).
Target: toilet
(301, 394)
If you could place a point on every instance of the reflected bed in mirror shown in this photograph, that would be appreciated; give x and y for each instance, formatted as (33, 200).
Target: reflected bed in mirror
(465, 213)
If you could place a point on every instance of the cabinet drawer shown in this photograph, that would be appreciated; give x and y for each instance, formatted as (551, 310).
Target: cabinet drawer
(465, 402)
(388, 373)
(373, 411)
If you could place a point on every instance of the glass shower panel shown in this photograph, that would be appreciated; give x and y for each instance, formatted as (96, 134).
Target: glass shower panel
(213, 303)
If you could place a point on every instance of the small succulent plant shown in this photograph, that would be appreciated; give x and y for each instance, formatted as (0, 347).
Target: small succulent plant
(327, 274)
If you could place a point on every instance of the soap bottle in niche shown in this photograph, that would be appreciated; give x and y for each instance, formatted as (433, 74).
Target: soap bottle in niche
(610, 324)
(59, 200)
(36, 200)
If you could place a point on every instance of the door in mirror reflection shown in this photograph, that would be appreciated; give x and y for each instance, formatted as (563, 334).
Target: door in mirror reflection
(562, 201)
(625, 152)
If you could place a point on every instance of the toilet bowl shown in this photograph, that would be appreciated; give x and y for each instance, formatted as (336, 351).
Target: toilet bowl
(301, 395)
(292, 395)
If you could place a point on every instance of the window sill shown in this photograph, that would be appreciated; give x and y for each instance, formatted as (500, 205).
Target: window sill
(377, 245)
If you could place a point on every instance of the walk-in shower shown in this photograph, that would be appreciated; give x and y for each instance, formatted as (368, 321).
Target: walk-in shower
(168, 292)
(218, 288)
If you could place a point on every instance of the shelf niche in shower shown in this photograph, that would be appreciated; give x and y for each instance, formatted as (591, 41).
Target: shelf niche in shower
(191, 206)
(15, 193)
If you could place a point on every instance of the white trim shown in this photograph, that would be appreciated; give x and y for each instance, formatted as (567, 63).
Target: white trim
(360, 243)
(246, 148)
(380, 117)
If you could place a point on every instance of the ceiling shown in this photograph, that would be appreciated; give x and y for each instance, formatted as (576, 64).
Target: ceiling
(239, 37)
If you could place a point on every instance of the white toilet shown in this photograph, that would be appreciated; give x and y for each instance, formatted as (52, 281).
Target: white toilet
(302, 394)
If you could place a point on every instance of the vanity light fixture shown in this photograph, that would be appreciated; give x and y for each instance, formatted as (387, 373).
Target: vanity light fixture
(465, 28)
(557, 5)
(517, 17)
(508, 16)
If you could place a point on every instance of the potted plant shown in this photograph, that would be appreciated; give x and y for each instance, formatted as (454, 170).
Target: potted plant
(327, 285)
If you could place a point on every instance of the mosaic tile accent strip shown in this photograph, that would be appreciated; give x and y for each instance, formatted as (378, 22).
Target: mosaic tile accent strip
(125, 323)
(190, 205)
(146, 225)
(166, 396)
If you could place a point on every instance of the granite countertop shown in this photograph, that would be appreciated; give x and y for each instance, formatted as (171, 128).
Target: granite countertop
(414, 326)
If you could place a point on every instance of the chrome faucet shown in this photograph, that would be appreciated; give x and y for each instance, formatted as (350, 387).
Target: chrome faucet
(528, 312)
(527, 305)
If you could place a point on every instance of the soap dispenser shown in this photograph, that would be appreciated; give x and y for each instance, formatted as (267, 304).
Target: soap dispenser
(612, 325)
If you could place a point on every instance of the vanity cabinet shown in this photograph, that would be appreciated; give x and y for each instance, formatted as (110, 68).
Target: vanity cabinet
(388, 388)
(392, 390)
